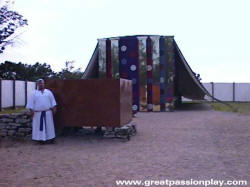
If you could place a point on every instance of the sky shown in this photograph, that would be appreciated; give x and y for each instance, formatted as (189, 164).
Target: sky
(213, 35)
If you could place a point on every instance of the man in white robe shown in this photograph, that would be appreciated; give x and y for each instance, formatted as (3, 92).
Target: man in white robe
(42, 106)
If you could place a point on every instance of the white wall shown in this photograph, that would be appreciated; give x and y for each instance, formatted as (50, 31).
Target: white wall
(31, 86)
(7, 97)
(224, 91)
(20, 93)
(7, 92)
(242, 91)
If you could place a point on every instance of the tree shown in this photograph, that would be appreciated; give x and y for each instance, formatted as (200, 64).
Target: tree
(9, 22)
(39, 70)
(11, 70)
(20, 71)
(68, 72)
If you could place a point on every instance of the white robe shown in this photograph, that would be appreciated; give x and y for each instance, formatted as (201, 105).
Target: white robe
(39, 101)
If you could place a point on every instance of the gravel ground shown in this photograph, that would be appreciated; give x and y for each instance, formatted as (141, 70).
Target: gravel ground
(191, 143)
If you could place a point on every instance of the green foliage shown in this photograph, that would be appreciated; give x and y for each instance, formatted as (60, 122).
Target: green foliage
(9, 22)
(12, 111)
(10, 70)
(20, 71)
(239, 107)
(68, 72)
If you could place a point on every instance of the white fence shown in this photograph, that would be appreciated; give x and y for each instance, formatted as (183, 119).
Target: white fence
(15, 93)
(238, 92)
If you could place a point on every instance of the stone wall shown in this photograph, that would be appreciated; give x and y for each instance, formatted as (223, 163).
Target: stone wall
(19, 124)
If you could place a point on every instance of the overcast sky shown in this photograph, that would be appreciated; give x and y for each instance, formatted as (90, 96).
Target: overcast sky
(212, 34)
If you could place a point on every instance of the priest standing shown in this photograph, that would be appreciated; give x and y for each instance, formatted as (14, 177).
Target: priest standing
(42, 106)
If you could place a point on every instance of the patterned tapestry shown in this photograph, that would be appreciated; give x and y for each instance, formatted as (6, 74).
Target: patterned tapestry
(148, 61)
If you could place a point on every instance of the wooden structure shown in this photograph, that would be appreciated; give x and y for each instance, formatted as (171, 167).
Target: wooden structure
(159, 72)
(103, 102)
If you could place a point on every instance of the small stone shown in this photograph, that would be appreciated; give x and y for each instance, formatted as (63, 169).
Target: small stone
(26, 112)
(13, 116)
(4, 120)
(3, 116)
(18, 120)
(28, 129)
(28, 133)
(11, 127)
(11, 132)
(20, 134)
(29, 124)
(3, 130)
(25, 117)
(22, 130)
(15, 124)
(2, 125)
(3, 134)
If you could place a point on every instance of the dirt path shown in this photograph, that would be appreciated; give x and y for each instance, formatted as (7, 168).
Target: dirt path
(197, 143)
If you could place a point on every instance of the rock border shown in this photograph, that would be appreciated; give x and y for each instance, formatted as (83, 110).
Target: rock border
(15, 124)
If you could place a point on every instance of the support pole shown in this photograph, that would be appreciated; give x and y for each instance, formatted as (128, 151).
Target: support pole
(26, 92)
(212, 84)
(108, 59)
(162, 74)
(149, 75)
(233, 91)
(14, 94)
(1, 95)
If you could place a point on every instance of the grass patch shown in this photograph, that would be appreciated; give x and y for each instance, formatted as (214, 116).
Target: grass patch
(11, 110)
(240, 107)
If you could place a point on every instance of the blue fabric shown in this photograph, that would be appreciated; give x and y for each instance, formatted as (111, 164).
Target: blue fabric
(162, 74)
(43, 117)
(129, 64)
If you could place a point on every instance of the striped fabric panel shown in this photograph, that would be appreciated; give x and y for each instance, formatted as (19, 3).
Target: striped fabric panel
(115, 59)
(108, 59)
(142, 73)
(129, 65)
(156, 73)
(162, 74)
(170, 72)
(102, 59)
(149, 74)
(123, 67)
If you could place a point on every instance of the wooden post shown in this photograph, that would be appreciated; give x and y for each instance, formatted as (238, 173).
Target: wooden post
(212, 91)
(14, 94)
(0, 94)
(26, 92)
(108, 59)
(162, 74)
(233, 91)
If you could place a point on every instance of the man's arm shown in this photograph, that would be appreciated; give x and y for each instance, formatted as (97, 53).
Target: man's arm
(30, 105)
(53, 102)
(32, 112)
(54, 110)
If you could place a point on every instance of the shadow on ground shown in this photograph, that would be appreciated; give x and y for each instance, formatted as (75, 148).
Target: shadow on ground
(194, 107)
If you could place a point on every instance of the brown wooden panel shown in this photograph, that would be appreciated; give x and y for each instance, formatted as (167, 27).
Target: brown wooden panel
(156, 95)
(91, 102)
(126, 100)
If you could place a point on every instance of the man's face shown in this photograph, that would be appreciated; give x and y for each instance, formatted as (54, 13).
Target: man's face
(40, 85)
